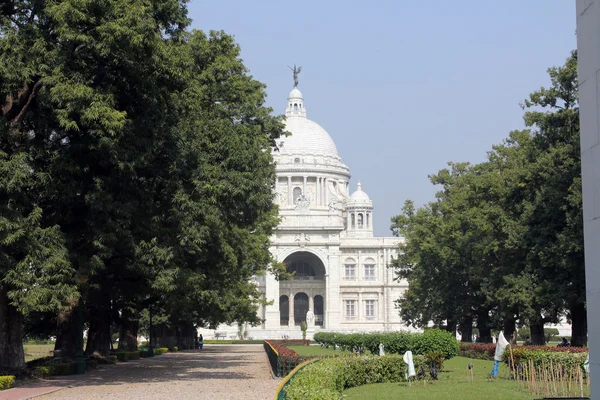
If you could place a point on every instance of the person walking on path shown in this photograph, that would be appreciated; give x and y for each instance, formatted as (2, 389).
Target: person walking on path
(200, 342)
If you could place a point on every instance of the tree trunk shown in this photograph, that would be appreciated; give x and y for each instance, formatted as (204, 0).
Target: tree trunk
(12, 357)
(466, 330)
(536, 329)
(451, 325)
(485, 330)
(129, 331)
(98, 340)
(66, 339)
(578, 325)
(509, 328)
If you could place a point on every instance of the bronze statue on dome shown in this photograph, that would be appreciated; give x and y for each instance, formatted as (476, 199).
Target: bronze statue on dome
(296, 71)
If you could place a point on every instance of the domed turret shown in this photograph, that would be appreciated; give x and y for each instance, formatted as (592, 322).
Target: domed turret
(359, 214)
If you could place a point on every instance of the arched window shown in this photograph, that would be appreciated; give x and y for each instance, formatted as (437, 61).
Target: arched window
(284, 310)
(295, 107)
(352, 220)
(297, 193)
(368, 226)
(360, 221)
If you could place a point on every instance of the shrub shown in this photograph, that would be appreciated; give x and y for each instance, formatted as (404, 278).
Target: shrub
(327, 378)
(6, 382)
(160, 350)
(42, 371)
(62, 369)
(436, 340)
(112, 359)
(542, 357)
(122, 356)
(435, 357)
(173, 349)
(91, 364)
(133, 355)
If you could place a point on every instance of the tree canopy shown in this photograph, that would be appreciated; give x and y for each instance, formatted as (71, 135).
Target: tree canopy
(502, 244)
(136, 173)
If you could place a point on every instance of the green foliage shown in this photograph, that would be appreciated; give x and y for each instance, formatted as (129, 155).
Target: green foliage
(303, 328)
(549, 334)
(6, 382)
(327, 378)
(436, 341)
(161, 350)
(91, 364)
(173, 349)
(257, 341)
(432, 340)
(544, 358)
(502, 243)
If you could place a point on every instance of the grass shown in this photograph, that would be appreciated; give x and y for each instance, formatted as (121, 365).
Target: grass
(453, 384)
(35, 351)
(316, 351)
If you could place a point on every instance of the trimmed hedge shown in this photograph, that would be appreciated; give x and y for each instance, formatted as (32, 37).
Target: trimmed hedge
(173, 349)
(486, 351)
(124, 356)
(160, 350)
(328, 378)
(211, 341)
(432, 340)
(55, 369)
(6, 382)
(542, 357)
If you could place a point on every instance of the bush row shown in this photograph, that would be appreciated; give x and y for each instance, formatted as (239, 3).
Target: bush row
(6, 382)
(432, 340)
(210, 341)
(160, 350)
(326, 379)
(486, 351)
(541, 357)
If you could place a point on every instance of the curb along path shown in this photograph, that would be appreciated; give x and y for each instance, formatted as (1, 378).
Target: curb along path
(217, 372)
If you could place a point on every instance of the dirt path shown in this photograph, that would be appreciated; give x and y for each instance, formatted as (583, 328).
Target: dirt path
(217, 372)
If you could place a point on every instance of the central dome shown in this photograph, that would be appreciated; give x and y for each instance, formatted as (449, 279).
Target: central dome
(307, 137)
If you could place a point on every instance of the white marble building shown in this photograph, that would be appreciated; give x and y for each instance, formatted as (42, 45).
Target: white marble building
(326, 237)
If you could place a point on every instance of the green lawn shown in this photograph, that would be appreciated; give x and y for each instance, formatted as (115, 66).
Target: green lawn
(315, 351)
(453, 384)
(33, 351)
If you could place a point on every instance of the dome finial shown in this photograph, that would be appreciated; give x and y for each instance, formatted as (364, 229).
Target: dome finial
(296, 71)
(358, 186)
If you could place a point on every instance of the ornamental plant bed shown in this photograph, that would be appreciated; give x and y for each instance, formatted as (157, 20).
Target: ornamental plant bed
(283, 359)
(485, 351)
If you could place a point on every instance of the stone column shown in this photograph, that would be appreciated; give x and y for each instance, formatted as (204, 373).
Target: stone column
(277, 190)
(359, 312)
(291, 311)
(311, 302)
(290, 191)
(318, 192)
(272, 316)
(588, 43)
(304, 188)
(326, 194)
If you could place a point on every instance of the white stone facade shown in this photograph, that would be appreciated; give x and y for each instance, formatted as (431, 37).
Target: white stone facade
(326, 237)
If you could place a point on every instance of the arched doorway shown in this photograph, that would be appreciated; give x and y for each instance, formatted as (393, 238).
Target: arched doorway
(300, 308)
(297, 294)
(319, 310)
(284, 310)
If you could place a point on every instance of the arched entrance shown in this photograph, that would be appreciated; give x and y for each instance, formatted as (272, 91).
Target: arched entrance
(319, 310)
(304, 291)
(300, 308)
(284, 310)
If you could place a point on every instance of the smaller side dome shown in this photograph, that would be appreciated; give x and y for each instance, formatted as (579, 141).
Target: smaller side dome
(359, 196)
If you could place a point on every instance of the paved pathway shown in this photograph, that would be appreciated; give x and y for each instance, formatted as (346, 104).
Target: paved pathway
(217, 372)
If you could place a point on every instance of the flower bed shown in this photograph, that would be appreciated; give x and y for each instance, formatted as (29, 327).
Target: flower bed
(282, 359)
(485, 351)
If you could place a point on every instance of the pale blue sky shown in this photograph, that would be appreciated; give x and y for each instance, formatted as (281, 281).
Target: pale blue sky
(401, 86)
